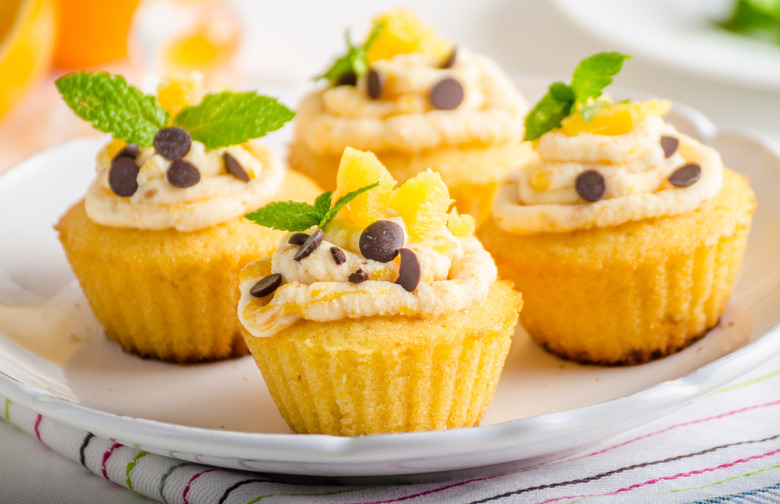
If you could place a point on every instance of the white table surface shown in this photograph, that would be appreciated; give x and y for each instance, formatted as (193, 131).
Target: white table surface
(525, 36)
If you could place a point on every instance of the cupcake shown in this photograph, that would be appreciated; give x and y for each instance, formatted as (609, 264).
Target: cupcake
(624, 235)
(159, 239)
(385, 315)
(417, 102)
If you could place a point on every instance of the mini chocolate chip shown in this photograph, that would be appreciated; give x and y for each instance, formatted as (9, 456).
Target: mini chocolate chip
(347, 79)
(172, 143)
(182, 174)
(358, 276)
(376, 84)
(669, 144)
(309, 246)
(685, 175)
(381, 240)
(266, 285)
(122, 176)
(409, 272)
(451, 59)
(338, 255)
(234, 168)
(298, 239)
(590, 185)
(130, 150)
(447, 94)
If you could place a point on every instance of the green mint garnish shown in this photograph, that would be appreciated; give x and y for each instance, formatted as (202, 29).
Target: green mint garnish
(295, 216)
(228, 118)
(354, 62)
(755, 18)
(590, 78)
(113, 106)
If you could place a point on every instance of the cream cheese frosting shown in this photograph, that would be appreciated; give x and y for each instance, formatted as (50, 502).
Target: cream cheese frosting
(453, 278)
(403, 119)
(217, 198)
(541, 196)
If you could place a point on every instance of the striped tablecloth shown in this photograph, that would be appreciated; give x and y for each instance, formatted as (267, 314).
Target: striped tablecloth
(724, 447)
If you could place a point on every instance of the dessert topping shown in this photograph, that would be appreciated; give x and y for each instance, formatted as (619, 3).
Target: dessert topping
(347, 68)
(182, 174)
(409, 272)
(122, 176)
(381, 241)
(376, 84)
(233, 167)
(298, 239)
(590, 185)
(266, 285)
(338, 255)
(172, 143)
(358, 276)
(669, 144)
(130, 150)
(309, 246)
(447, 94)
(686, 175)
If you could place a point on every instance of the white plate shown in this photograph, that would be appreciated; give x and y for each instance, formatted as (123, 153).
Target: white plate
(680, 34)
(55, 360)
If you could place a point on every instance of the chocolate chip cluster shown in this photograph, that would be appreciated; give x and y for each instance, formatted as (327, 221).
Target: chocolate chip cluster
(172, 143)
(591, 186)
(381, 241)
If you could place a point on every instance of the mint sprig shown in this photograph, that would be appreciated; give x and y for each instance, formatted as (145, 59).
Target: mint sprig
(296, 216)
(229, 118)
(355, 61)
(113, 106)
(590, 78)
(759, 19)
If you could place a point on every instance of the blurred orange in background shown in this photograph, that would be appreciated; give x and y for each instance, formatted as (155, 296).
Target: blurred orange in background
(27, 33)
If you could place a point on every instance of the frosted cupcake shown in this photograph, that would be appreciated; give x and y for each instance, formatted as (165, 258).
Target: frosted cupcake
(624, 235)
(159, 239)
(417, 102)
(384, 316)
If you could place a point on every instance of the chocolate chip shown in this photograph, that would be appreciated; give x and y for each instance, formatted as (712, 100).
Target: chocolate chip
(590, 185)
(347, 79)
(234, 168)
(451, 59)
(338, 255)
(298, 239)
(376, 84)
(409, 273)
(685, 175)
(381, 240)
(122, 176)
(266, 285)
(669, 144)
(182, 174)
(172, 143)
(447, 94)
(130, 150)
(309, 246)
(359, 276)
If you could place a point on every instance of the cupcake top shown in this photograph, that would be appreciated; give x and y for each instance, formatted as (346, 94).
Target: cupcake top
(378, 251)
(184, 159)
(406, 89)
(600, 163)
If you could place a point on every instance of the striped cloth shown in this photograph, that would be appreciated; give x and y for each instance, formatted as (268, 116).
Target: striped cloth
(724, 447)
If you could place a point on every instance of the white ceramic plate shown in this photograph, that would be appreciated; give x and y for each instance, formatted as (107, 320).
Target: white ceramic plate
(682, 35)
(55, 360)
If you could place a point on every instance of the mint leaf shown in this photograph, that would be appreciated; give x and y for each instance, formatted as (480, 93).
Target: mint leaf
(354, 62)
(595, 73)
(228, 118)
(546, 115)
(113, 106)
(286, 216)
(322, 203)
(344, 201)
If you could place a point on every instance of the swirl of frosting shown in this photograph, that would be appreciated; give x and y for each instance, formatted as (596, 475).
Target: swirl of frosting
(542, 195)
(453, 277)
(217, 198)
(403, 119)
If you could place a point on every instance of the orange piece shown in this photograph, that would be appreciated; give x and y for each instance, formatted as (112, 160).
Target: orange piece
(359, 169)
(26, 46)
(422, 202)
(404, 33)
(615, 119)
(213, 41)
(93, 32)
